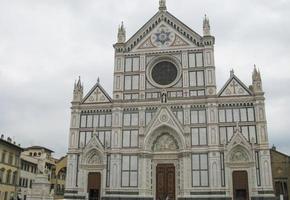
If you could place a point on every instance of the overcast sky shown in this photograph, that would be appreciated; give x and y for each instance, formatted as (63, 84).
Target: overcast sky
(46, 44)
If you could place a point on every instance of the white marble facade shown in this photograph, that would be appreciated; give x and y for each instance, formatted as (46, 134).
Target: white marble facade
(168, 115)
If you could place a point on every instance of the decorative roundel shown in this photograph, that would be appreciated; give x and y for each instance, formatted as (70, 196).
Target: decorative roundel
(164, 73)
(163, 37)
(163, 118)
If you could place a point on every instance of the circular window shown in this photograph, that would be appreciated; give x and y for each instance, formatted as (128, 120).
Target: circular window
(164, 73)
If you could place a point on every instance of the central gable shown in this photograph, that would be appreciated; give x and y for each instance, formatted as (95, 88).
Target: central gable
(163, 30)
(163, 36)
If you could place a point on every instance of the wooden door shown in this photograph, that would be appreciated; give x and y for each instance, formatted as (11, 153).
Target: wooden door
(94, 186)
(165, 182)
(240, 185)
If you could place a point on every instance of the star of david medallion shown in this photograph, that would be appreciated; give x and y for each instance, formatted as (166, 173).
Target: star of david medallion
(163, 37)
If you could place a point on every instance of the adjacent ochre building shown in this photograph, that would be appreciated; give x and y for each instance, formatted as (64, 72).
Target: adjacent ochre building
(58, 178)
(167, 132)
(9, 168)
(281, 173)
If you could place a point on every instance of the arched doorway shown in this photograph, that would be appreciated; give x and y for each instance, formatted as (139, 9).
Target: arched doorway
(94, 185)
(165, 161)
(164, 143)
(240, 185)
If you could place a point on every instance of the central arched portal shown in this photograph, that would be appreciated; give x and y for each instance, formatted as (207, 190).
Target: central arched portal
(165, 142)
(165, 145)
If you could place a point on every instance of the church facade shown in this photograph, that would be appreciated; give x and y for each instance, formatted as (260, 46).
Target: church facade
(167, 132)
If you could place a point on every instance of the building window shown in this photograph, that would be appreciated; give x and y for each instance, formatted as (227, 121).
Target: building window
(175, 94)
(196, 78)
(108, 170)
(131, 119)
(199, 168)
(3, 159)
(10, 159)
(133, 96)
(281, 188)
(226, 133)
(258, 173)
(198, 136)
(196, 93)
(17, 161)
(96, 121)
(2, 175)
(130, 138)
(5, 195)
(198, 116)
(20, 182)
(249, 133)
(223, 177)
(14, 176)
(8, 177)
(103, 136)
(149, 114)
(132, 82)
(195, 60)
(152, 95)
(178, 114)
(237, 115)
(132, 64)
(129, 171)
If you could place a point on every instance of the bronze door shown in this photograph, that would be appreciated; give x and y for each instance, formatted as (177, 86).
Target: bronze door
(94, 186)
(240, 185)
(165, 182)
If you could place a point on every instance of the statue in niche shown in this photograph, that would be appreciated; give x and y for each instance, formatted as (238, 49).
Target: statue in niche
(164, 97)
(165, 142)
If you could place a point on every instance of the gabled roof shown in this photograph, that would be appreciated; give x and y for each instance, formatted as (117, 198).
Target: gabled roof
(234, 87)
(39, 148)
(278, 152)
(10, 144)
(171, 21)
(97, 95)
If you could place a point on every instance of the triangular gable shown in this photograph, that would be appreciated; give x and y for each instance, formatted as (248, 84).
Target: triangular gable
(164, 116)
(239, 150)
(163, 36)
(93, 153)
(238, 139)
(185, 35)
(97, 95)
(234, 87)
(94, 143)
